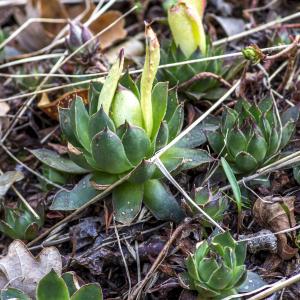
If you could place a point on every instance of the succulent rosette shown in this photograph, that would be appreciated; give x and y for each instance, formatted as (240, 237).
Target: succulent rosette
(251, 136)
(21, 223)
(185, 18)
(122, 127)
(217, 269)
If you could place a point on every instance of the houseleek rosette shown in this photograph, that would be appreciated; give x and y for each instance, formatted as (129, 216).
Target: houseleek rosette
(185, 18)
(122, 127)
(251, 136)
(217, 269)
(21, 223)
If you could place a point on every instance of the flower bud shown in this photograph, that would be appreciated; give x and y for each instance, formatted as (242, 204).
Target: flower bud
(126, 107)
(86, 34)
(187, 27)
(74, 39)
(253, 53)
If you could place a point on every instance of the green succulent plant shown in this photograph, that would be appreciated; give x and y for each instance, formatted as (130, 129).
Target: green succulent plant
(124, 126)
(21, 223)
(214, 204)
(54, 287)
(185, 18)
(217, 269)
(251, 136)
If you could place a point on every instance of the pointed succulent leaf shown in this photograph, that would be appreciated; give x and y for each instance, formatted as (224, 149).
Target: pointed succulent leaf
(192, 268)
(143, 172)
(66, 126)
(246, 162)
(233, 182)
(196, 137)
(160, 202)
(186, 24)
(136, 144)
(273, 142)
(11, 293)
(93, 96)
(258, 147)
(162, 137)
(216, 141)
(101, 181)
(126, 107)
(110, 85)
(206, 267)
(127, 81)
(78, 196)
(236, 141)
(222, 240)
(88, 292)
(71, 282)
(127, 201)
(172, 105)
(80, 122)
(98, 122)
(287, 133)
(240, 252)
(220, 277)
(176, 122)
(159, 105)
(108, 151)
(191, 157)
(265, 105)
(52, 287)
(78, 156)
(55, 161)
(228, 120)
(149, 72)
(239, 276)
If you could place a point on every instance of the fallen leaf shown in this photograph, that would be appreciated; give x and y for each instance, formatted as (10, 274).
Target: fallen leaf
(39, 35)
(115, 33)
(21, 270)
(8, 179)
(276, 214)
(51, 107)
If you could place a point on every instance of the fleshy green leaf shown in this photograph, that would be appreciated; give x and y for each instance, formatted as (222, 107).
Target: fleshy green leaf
(176, 122)
(71, 282)
(136, 144)
(220, 277)
(162, 137)
(55, 161)
(191, 157)
(152, 59)
(80, 122)
(52, 287)
(71, 200)
(127, 201)
(88, 292)
(246, 162)
(98, 122)
(142, 172)
(159, 105)
(216, 141)
(109, 153)
(161, 203)
(258, 147)
(66, 126)
(206, 267)
(236, 141)
(233, 182)
(110, 85)
(10, 293)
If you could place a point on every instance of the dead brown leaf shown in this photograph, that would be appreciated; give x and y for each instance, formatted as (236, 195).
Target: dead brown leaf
(39, 35)
(277, 214)
(51, 107)
(21, 270)
(115, 33)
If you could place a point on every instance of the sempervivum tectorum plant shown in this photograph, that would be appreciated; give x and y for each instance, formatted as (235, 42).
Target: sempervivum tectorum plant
(217, 269)
(21, 223)
(124, 126)
(189, 43)
(251, 136)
